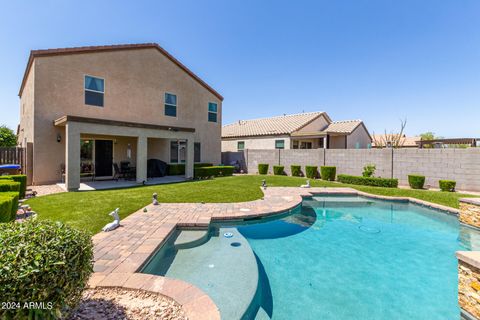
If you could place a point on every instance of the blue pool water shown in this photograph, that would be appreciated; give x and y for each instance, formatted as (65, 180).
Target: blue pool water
(332, 258)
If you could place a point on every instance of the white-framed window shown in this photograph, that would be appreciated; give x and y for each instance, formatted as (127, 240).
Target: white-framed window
(212, 112)
(94, 90)
(240, 145)
(170, 104)
(280, 144)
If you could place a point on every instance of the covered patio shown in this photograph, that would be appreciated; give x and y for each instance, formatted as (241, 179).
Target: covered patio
(114, 184)
(138, 141)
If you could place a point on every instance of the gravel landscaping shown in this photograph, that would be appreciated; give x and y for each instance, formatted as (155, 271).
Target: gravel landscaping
(116, 303)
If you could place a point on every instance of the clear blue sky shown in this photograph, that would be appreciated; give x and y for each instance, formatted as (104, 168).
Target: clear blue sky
(379, 61)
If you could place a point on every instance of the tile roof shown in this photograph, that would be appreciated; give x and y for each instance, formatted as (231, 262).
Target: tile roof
(405, 141)
(285, 124)
(345, 126)
(90, 49)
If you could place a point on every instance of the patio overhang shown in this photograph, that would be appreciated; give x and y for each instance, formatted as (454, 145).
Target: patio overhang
(62, 121)
(308, 135)
(75, 127)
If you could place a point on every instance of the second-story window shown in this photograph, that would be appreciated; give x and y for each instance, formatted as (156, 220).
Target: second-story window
(94, 91)
(170, 105)
(212, 112)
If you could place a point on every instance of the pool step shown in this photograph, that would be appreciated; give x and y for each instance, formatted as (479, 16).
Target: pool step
(191, 238)
(262, 315)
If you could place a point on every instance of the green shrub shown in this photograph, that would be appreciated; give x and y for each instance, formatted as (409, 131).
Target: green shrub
(177, 169)
(416, 181)
(214, 171)
(262, 168)
(447, 185)
(9, 185)
(22, 179)
(8, 206)
(296, 170)
(368, 181)
(328, 173)
(369, 170)
(311, 172)
(43, 261)
(278, 170)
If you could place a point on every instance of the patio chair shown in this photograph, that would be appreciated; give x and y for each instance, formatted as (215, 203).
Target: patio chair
(62, 172)
(117, 172)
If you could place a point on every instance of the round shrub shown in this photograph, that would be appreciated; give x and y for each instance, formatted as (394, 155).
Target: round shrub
(296, 170)
(43, 261)
(328, 173)
(262, 168)
(416, 181)
(311, 172)
(447, 185)
(278, 170)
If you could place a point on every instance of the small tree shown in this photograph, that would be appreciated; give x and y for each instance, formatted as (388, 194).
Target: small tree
(8, 138)
(391, 140)
(369, 170)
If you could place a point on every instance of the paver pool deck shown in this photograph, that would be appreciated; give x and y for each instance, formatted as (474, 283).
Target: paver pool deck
(120, 254)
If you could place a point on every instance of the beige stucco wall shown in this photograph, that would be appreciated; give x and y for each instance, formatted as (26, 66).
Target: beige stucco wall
(135, 85)
(336, 142)
(359, 135)
(316, 125)
(264, 142)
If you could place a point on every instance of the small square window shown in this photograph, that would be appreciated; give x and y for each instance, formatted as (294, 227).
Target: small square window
(212, 112)
(170, 105)
(240, 145)
(279, 144)
(94, 91)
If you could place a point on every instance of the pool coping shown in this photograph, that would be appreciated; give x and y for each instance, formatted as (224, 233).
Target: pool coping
(120, 254)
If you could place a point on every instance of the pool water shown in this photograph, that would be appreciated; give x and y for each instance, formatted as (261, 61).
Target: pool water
(334, 257)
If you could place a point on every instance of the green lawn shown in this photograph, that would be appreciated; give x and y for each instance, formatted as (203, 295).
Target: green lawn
(88, 210)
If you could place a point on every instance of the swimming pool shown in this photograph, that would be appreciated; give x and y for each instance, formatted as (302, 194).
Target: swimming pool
(333, 257)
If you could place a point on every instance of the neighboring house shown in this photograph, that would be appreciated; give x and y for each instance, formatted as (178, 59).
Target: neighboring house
(380, 141)
(310, 130)
(86, 108)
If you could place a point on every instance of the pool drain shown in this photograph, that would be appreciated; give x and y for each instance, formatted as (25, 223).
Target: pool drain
(228, 234)
(235, 244)
(371, 230)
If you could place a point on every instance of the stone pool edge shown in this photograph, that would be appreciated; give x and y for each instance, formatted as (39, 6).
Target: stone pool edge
(121, 253)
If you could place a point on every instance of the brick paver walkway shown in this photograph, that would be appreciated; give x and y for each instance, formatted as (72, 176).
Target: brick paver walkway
(119, 254)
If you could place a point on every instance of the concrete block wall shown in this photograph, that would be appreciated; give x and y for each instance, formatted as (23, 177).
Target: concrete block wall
(352, 161)
(254, 157)
(461, 165)
(302, 157)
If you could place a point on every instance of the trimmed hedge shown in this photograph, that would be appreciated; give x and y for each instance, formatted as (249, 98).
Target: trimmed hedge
(368, 181)
(22, 179)
(9, 185)
(296, 170)
(311, 172)
(177, 169)
(263, 168)
(43, 261)
(8, 206)
(328, 173)
(416, 181)
(278, 170)
(214, 171)
(447, 185)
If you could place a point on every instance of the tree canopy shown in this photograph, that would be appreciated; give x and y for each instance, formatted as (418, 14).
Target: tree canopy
(8, 138)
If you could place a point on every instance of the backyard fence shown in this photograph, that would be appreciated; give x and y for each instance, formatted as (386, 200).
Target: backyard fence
(12, 156)
(461, 165)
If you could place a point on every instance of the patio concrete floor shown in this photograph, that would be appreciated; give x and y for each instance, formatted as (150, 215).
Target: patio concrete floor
(113, 184)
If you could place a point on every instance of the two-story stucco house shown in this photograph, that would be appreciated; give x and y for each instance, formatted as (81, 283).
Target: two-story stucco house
(310, 130)
(89, 108)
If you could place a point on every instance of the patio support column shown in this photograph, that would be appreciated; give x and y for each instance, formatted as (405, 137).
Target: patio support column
(189, 159)
(72, 157)
(141, 159)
